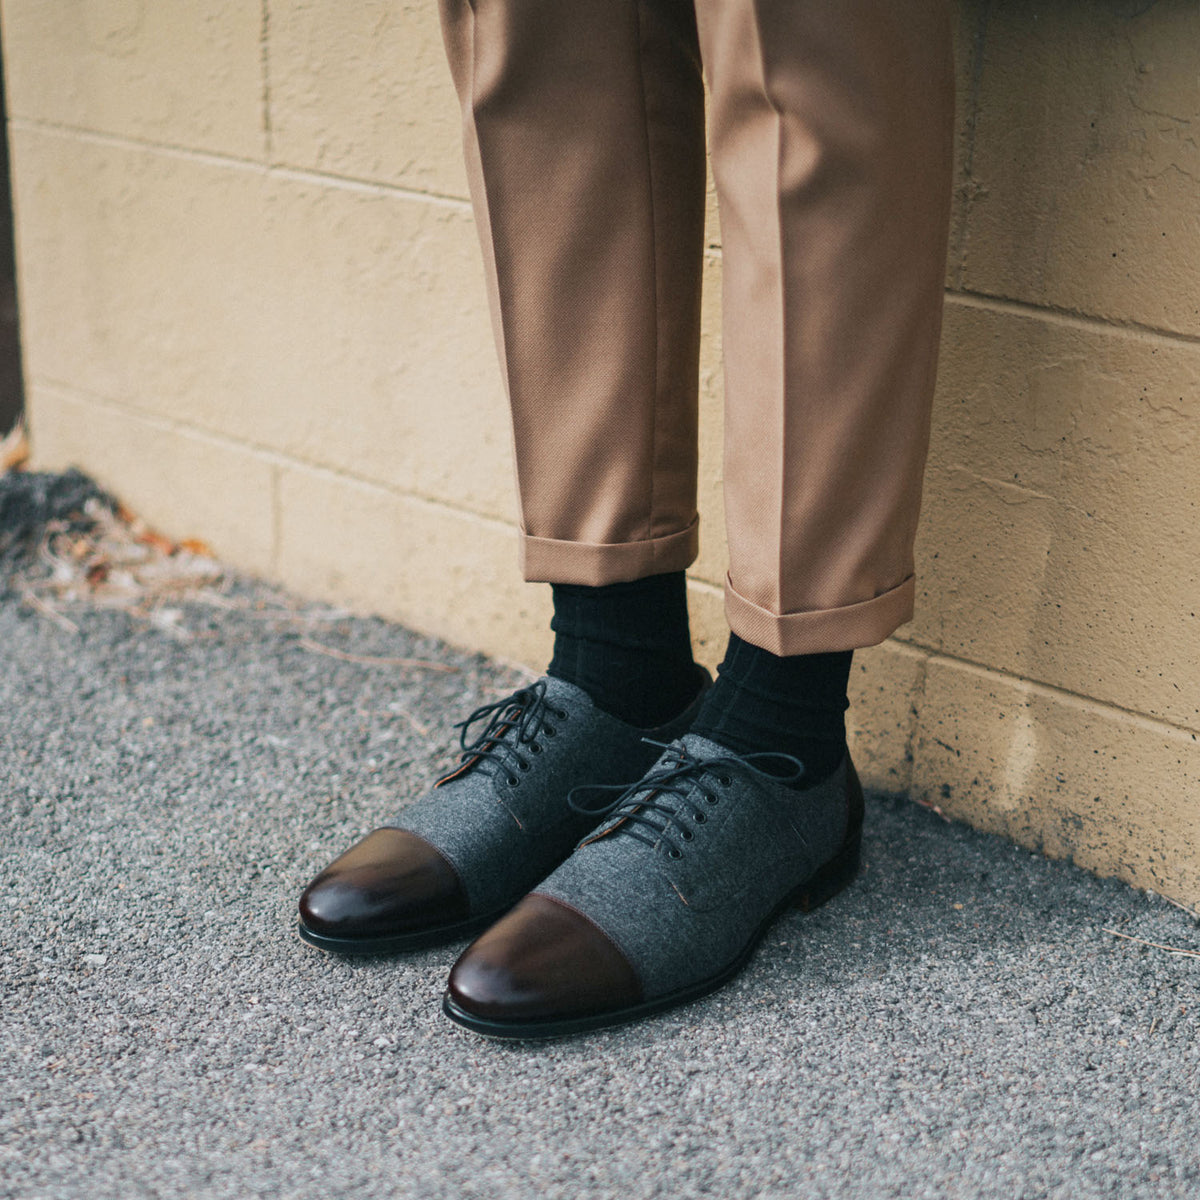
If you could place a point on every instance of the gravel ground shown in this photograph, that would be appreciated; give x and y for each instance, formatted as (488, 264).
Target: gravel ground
(956, 1025)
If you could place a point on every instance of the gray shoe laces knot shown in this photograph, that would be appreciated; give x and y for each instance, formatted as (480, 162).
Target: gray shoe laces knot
(691, 782)
(513, 727)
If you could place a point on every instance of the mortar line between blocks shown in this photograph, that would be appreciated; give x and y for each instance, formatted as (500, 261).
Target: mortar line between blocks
(264, 63)
(705, 588)
(268, 454)
(916, 710)
(210, 158)
(1141, 720)
(1086, 323)
(960, 234)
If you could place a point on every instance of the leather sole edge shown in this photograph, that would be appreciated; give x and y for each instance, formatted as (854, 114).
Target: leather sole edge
(396, 943)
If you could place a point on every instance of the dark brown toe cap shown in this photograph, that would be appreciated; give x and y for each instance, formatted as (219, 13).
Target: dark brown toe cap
(542, 962)
(391, 882)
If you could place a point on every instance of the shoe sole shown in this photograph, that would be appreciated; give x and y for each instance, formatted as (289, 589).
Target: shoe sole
(820, 887)
(398, 943)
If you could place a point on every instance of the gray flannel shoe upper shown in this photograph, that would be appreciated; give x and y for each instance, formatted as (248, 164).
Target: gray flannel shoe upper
(681, 888)
(666, 899)
(501, 819)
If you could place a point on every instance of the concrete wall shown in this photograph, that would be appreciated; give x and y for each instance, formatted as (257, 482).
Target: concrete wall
(252, 304)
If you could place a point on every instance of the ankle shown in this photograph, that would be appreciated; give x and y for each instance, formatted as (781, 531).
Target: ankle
(628, 646)
(793, 705)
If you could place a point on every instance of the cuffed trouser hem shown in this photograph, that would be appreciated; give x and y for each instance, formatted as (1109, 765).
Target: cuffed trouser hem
(547, 560)
(818, 632)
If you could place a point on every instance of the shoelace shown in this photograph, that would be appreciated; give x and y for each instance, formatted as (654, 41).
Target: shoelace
(525, 714)
(686, 778)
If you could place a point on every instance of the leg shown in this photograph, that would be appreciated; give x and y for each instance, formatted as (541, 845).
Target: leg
(584, 134)
(831, 147)
(832, 128)
(831, 142)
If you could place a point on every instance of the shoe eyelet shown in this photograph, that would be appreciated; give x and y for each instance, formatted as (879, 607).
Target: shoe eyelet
(561, 714)
(725, 780)
(522, 765)
(710, 798)
(688, 835)
(549, 731)
(534, 748)
(674, 854)
(513, 781)
(699, 817)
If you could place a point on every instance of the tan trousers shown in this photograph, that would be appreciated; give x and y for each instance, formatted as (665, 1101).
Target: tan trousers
(831, 140)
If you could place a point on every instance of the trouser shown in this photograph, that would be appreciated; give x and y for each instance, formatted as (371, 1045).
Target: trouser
(831, 140)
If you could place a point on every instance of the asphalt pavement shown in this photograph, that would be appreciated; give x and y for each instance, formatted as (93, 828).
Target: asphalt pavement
(958, 1024)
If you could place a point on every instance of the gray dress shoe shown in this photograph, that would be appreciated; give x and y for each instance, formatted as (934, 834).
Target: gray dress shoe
(667, 899)
(457, 858)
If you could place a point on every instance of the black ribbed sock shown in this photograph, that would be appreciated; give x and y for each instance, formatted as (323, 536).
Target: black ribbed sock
(628, 646)
(794, 705)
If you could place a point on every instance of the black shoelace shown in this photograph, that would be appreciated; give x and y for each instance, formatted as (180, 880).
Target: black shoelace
(692, 783)
(513, 727)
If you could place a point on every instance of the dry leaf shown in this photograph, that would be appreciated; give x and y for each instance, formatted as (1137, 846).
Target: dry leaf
(14, 449)
(119, 562)
(156, 541)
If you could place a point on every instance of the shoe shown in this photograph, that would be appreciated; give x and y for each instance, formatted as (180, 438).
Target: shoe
(667, 899)
(460, 856)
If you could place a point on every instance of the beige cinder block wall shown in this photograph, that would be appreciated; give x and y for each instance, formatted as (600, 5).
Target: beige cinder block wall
(251, 304)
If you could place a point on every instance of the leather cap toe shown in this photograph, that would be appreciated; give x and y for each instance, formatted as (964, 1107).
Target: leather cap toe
(390, 882)
(544, 961)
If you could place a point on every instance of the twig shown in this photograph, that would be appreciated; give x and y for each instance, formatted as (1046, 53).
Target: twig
(216, 600)
(933, 808)
(373, 660)
(36, 602)
(405, 715)
(1157, 945)
(291, 614)
(1191, 912)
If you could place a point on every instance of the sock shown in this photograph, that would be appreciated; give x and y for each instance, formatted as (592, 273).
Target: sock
(628, 646)
(794, 705)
